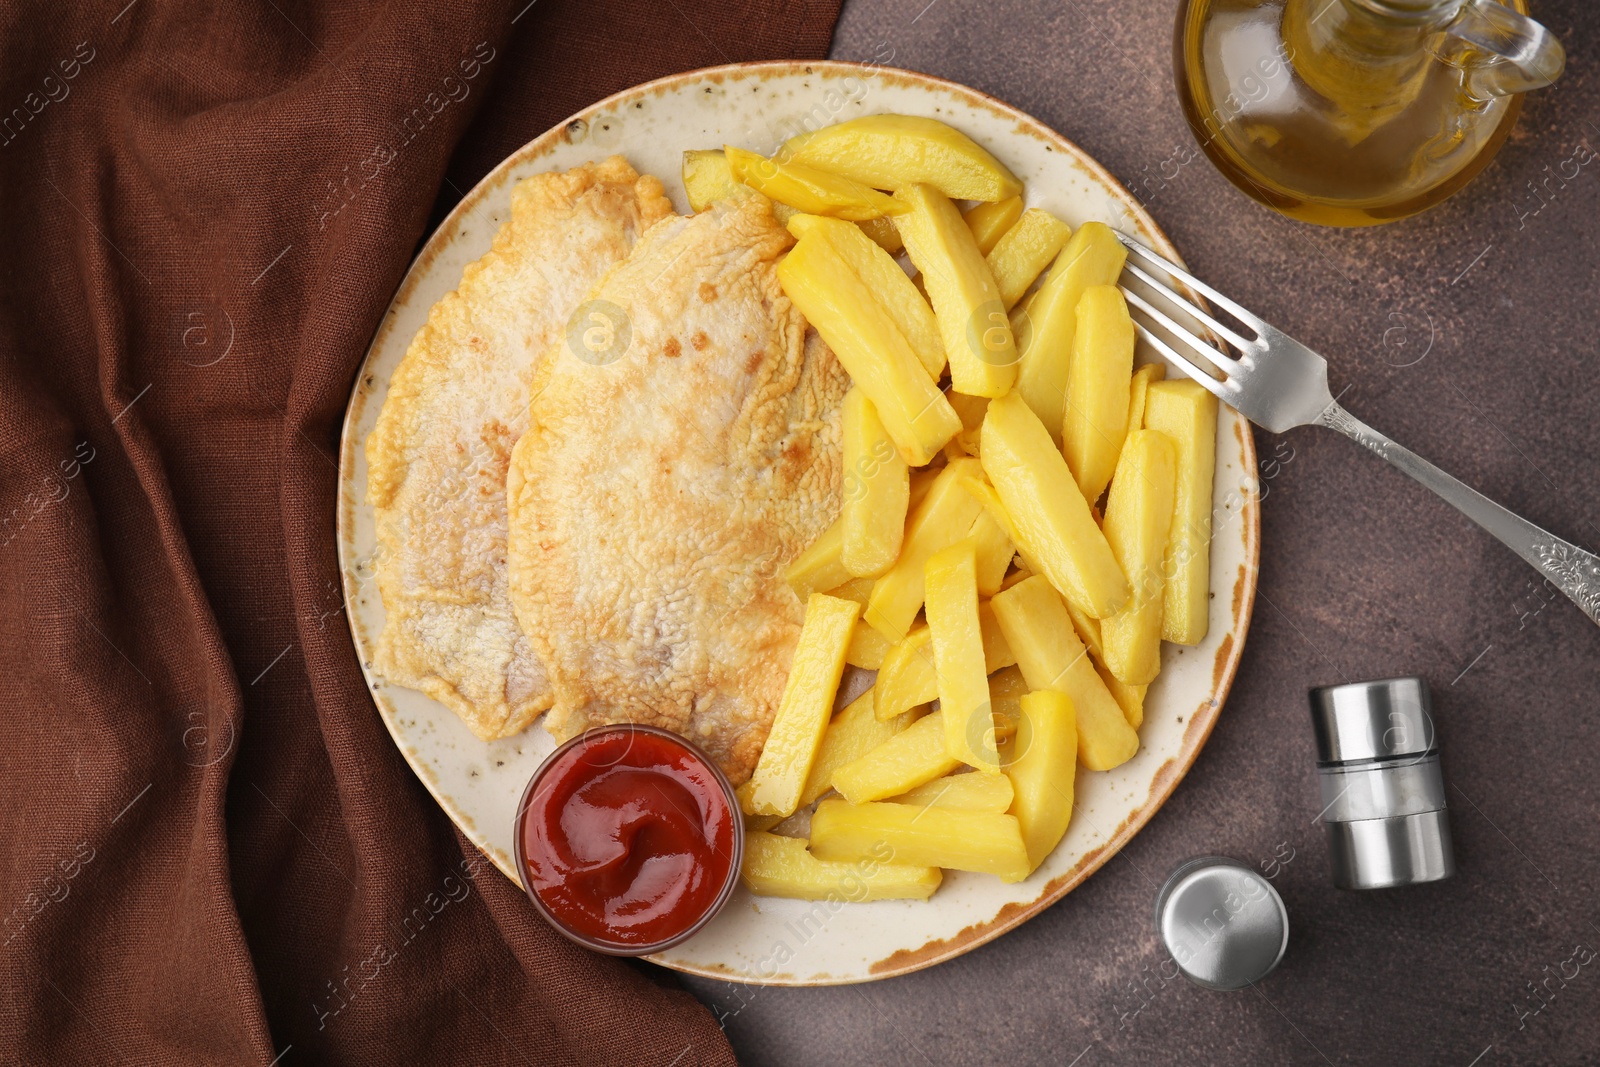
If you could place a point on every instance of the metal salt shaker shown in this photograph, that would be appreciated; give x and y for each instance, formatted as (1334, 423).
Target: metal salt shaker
(1382, 790)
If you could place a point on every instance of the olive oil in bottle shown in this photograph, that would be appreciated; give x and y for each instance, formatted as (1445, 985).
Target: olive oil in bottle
(1356, 112)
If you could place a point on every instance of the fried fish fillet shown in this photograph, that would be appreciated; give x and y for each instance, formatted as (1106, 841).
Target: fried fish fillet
(457, 403)
(656, 499)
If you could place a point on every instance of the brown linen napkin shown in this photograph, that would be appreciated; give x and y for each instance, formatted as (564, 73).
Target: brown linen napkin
(213, 852)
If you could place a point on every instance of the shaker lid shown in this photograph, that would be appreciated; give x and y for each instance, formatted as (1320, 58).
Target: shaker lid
(1223, 923)
(1373, 720)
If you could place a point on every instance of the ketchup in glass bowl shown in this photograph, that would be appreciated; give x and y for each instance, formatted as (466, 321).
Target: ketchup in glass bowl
(628, 839)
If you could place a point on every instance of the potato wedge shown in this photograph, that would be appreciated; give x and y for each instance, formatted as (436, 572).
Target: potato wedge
(1138, 518)
(908, 677)
(867, 648)
(989, 221)
(807, 189)
(1025, 250)
(935, 837)
(952, 608)
(966, 303)
(887, 283)
(1043, 770)
(1052, 522)
(939, 521)
(803, 711)
(893, 151)
(969, 792)
(851, 734)
(1093, 256)
(877, 489)
(870, 347)
(994, 552)
(820, 568)
(914, 755)
(1039, 631)
(783, 867)
(1098, 389)
(1130, 698)
(1186, 413)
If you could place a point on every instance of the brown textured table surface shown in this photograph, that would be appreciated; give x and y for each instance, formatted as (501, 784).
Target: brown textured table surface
(1467, 333)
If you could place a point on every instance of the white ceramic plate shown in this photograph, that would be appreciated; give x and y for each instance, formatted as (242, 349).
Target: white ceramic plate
(765, 940)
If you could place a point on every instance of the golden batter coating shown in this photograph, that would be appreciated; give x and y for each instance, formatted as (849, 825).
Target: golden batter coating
(661, 490)
(457, 403)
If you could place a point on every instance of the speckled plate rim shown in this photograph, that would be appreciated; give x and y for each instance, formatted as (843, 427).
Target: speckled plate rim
(1200, 722)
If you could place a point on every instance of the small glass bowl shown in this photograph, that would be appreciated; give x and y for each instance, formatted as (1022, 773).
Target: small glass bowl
(612, 948)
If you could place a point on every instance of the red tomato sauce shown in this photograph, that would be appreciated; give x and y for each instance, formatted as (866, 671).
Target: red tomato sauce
(627, 837)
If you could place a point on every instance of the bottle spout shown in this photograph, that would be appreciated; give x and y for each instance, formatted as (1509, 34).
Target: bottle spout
(1501, 50)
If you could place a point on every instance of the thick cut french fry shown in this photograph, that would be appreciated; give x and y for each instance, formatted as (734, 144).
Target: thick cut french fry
(1098, 389)
(1006, 690)
(907, 676)
(783, 867)
(989, 221)
(853, 733)
(802, 717)
(966, 302)
(969, 792)
(1138, 518)
(877, 489)
(1043, 771)
(922, 480)
(994, 552)
(1024, 251)
(1137, 386)
(857, 589)
(871, 348)
(807, 189)
(985, 495)
(893, 151)
(1039, 631)
(963, 681)
(883, 234)
(1130, 698)
(886, 282)
(935, 837)
(970, 410)
(1051, 519)
(821, 566)
(939, 521)
(1093, 256)
(707, 178)
(903, 762)
(867, 647)
(1186, 413)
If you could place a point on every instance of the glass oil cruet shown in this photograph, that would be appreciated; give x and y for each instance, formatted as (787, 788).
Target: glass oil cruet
(1356, 112)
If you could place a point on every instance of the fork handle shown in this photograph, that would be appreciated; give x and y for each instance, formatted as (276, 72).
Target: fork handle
(1568, 567)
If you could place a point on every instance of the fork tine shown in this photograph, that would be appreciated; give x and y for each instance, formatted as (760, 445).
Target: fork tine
(1188, 306)
(1225, 391)
(1181, 332)
(1234, 309)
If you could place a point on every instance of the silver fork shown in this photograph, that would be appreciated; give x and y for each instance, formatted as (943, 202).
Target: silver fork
(1278, 383)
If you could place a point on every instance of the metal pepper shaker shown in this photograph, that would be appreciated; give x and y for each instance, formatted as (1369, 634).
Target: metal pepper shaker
(1382, 789)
